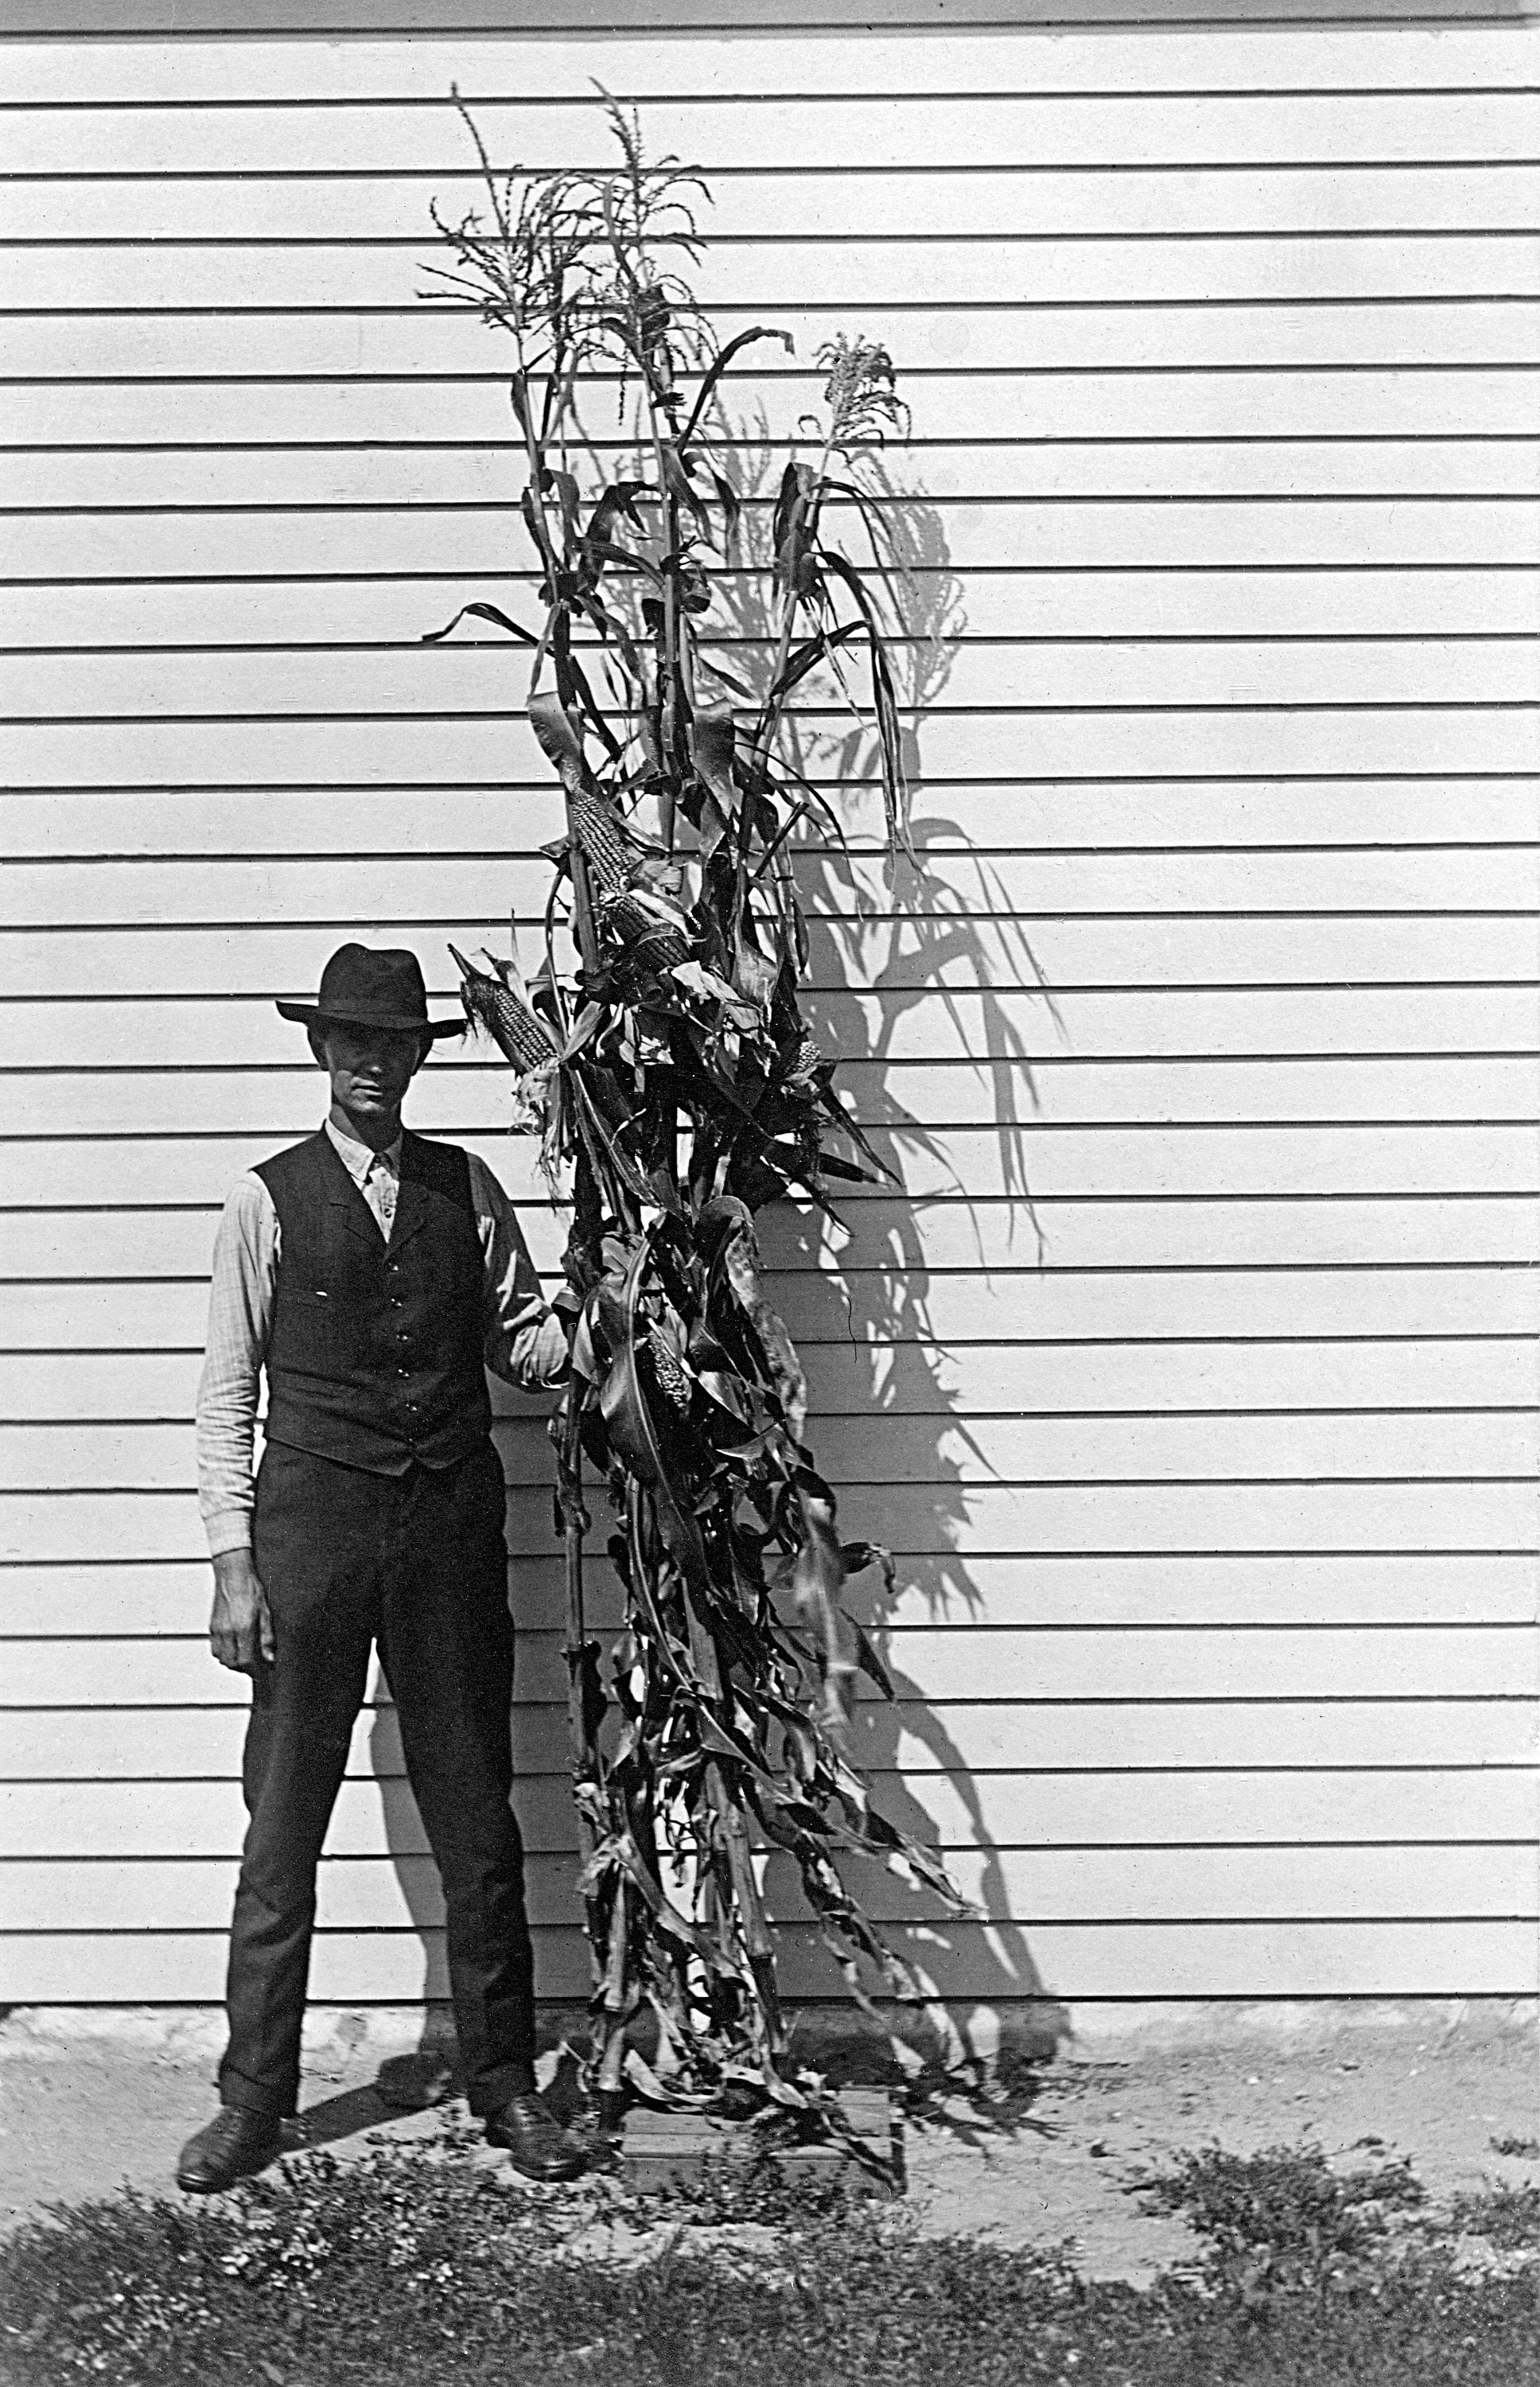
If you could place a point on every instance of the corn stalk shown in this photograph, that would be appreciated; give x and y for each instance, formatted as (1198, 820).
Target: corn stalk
(678, 1090)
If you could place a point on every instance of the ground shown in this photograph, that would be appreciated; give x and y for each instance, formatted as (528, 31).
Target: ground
(1044, 2155)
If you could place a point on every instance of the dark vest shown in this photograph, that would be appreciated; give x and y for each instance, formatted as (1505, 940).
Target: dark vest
(376, 1354)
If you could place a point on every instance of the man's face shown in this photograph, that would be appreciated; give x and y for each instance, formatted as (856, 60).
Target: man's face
(370, 1068)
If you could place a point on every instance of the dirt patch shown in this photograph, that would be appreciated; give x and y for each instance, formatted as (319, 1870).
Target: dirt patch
(1046, 2155)
(1062, 2153)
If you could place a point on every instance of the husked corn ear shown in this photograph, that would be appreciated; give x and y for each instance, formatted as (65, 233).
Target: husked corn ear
(604, 845)
(635, 924)
(518, 1034)
(803, 1075)
(671, 1380)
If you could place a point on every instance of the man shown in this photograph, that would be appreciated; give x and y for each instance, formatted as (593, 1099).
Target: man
(371, 1273)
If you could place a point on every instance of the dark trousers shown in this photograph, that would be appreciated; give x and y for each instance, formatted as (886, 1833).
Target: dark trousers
(417, 1564)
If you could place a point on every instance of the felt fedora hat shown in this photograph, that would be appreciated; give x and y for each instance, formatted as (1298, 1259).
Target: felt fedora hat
(364, 989)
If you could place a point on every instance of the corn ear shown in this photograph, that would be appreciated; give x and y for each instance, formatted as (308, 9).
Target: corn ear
(606, 848)
(519, 1033)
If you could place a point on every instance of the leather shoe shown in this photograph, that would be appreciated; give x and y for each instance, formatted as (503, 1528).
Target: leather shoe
(536, 2143)
(233, 2144)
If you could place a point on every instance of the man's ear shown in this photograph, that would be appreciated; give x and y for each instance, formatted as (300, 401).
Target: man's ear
(317, 1043)
(423, 1049)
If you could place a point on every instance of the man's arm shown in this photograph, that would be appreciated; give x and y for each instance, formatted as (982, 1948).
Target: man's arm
(240, 1315)
(523, 1341)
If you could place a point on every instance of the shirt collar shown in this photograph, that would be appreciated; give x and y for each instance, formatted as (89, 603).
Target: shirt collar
(356, 1157)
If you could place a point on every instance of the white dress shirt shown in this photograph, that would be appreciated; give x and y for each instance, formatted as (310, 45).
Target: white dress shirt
(523, 1341)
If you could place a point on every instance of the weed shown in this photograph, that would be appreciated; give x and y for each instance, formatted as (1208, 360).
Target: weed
(417, 2267)
(1281, 2223)
(1508, 2216)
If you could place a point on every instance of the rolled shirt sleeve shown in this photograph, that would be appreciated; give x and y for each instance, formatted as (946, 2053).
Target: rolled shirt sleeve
(240, 1316)
(523, 1341)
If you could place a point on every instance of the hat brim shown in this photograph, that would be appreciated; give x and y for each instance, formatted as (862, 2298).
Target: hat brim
(311, 1014)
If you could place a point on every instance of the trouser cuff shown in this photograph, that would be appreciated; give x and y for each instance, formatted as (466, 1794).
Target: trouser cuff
(250, 2097)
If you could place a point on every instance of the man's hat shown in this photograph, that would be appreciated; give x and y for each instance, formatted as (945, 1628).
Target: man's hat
(361, 989)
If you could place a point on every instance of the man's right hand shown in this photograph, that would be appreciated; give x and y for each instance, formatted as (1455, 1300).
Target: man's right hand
(240, 1630)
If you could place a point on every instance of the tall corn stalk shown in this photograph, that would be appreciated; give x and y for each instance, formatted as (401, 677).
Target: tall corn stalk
(677, 1090)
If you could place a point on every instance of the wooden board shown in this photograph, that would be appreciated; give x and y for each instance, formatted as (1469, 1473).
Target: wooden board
(974, 267)
(967, 1740)
(1455, 1958)
(763, 62)
(118, 1598)
(361, 473)
(1154, 1028)
(438, 541)
(114, 894)
(964, 1453)
(664, 2148)
(1344, 400)
(479, 676)
(725, 137)
(1072, 1886)
(1476, 1373)
(938, 1662)
(1059, 953)
(378, 1819)
(1242, 1514)
(1426, 64)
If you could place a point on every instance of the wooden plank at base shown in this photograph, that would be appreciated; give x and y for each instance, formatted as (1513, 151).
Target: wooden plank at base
(663, 2150)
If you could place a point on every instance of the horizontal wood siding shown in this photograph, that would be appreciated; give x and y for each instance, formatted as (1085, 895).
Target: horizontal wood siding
(1190, 1366)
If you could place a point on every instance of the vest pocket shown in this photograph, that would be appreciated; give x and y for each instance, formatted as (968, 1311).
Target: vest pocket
(305, 1318)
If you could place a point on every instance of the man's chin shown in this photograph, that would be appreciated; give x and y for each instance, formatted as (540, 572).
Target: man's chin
(373, 1114)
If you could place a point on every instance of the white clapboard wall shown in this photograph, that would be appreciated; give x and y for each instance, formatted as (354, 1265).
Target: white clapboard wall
(1191, 1372)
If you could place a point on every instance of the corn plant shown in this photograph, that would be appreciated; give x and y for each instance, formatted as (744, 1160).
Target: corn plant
(660, 1052)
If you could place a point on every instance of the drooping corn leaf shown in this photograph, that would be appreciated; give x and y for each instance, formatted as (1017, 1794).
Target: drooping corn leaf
(483, 612)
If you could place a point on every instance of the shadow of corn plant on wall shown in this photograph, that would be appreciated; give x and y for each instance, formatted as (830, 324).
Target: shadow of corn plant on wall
(743, 917)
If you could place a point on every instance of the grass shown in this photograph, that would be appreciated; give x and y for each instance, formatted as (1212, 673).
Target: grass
(421, 2268)
(1282, 2220)
(1510, 2218)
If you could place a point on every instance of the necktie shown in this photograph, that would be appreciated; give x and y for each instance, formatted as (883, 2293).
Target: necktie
(379, 1192)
